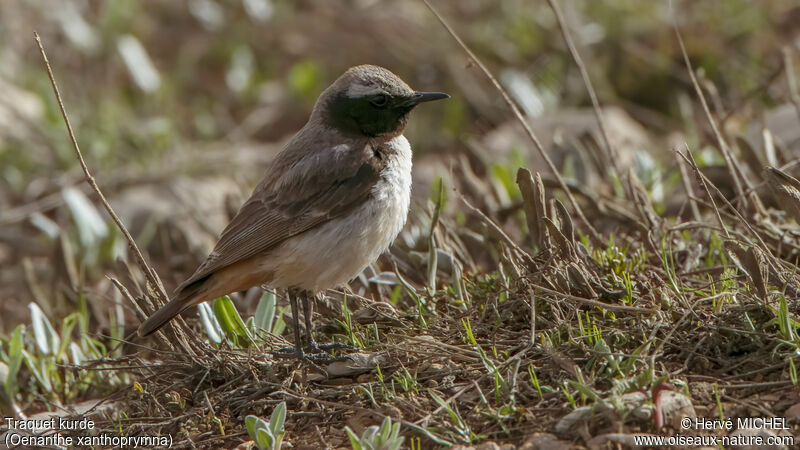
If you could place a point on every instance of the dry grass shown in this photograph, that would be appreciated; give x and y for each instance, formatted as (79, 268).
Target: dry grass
(499, 315)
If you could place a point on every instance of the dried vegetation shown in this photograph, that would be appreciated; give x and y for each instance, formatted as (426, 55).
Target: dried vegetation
(653, 279)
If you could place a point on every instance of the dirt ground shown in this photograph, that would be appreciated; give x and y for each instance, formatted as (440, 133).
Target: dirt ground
(602, 243)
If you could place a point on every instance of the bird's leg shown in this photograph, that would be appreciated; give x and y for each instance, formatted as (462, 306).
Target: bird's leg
(316, 351)
(298, 352)
(308, 312)
(313, 346)
(298, 344)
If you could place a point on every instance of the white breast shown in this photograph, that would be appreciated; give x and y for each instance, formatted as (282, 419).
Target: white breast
(339, 250)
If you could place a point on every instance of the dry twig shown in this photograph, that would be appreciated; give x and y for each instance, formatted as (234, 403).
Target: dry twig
(611, 153)
(151, 275)
(153, 281)
(518, 114)
(730, 160)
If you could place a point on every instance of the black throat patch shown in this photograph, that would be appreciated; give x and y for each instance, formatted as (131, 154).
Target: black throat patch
(357, 115)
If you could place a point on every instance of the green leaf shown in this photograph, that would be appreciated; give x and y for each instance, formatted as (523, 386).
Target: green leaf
(93, 348)
(430, 435)
(421, 308)
(14, 360)
(15, 345)
(386, 429)
(279, 326)
(83, 314)
(37, 368)
(259, 431)
(264, 439)
(265, 311)
(454, 417)
(278, 440)
(585, 390)
(355, 442)
(250, 323)
(76, 354)
(369, 435)
(231, 322)
(277, 418)
(396, 442)
(395, 432)
(210, 324)
(504, 175)
(433, 256)
(46, 338)
(66, 333)
(250, 424)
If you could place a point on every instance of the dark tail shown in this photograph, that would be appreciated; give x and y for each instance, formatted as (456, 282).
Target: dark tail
(186, 297)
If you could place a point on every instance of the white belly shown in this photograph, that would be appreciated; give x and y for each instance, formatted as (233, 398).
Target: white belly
(336, 252)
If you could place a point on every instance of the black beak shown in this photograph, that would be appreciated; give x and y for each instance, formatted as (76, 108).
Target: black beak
(421, 97)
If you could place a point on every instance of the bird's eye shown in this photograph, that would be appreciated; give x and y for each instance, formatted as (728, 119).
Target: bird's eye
(380, 100)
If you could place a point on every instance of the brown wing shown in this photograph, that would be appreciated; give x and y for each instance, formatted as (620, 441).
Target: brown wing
(306, 199)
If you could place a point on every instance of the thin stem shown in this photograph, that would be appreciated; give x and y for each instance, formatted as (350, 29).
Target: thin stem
(518, 114)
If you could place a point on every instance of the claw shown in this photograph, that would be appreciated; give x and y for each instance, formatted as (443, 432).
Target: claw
(317, 354)
(314, 347)
(298, 354)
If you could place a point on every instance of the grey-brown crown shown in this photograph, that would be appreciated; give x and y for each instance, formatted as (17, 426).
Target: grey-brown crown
(370, 101)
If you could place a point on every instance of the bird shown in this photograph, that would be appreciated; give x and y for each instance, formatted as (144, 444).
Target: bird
(329, 204)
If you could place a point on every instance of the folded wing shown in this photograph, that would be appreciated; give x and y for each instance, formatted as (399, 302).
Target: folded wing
(304, 200)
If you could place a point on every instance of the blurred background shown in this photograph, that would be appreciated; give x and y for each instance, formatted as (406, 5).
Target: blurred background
(178, 105)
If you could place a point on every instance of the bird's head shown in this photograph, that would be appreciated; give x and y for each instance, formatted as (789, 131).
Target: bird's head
(370, 101)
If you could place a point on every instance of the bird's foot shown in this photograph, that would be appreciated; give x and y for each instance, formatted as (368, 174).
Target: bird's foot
(315, 355)
(312, 359)
(320, 353)
(315, 348)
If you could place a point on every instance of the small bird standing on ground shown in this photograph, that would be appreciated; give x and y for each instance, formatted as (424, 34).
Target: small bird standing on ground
(330, 203)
